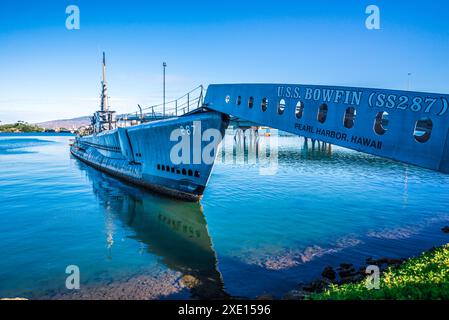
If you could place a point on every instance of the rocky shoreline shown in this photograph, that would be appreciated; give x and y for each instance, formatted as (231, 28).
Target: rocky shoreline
(345, 273)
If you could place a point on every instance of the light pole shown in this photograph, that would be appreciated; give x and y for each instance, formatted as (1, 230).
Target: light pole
(164, 65)
(408, 81)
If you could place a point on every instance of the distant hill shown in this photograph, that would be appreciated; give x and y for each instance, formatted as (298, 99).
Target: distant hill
(65, 123)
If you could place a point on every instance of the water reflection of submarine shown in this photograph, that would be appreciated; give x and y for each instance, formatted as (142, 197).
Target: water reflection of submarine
(174, 231)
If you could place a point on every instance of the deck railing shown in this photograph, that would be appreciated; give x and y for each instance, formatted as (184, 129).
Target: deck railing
(188, 102)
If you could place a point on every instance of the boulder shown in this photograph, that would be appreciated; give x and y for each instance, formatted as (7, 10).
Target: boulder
(347, 273)
(190, 281)
(393, 261)
(346, 265)
(353, 278)
(295, 295)
(384, 261)
(329, 273)
(317, 285)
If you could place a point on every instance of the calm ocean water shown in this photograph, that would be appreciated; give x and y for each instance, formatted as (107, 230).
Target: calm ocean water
(252, 234)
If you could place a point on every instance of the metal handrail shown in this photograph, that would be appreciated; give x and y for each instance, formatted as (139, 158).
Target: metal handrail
(184, 104)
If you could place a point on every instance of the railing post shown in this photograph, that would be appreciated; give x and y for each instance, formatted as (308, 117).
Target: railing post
(200, 99)
(188, 101)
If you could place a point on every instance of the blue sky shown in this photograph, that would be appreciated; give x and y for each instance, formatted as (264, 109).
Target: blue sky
(48, 72)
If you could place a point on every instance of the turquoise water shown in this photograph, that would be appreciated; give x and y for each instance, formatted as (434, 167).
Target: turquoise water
(252, 234)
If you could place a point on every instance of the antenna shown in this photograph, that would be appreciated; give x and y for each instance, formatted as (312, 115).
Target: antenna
(164, 65)
(104, 67)
(408, 80)
(104, 89)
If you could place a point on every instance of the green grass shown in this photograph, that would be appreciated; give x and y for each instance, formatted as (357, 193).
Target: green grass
(424, 277)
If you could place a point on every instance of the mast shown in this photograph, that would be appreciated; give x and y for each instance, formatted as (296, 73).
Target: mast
(104, 89)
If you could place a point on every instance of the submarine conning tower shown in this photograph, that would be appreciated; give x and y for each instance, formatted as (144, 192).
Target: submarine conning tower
(104, 119)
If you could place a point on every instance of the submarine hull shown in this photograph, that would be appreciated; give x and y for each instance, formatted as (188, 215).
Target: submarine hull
(147, 154)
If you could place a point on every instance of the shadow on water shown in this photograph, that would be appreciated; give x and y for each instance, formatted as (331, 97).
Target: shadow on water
(172, 230)
(18, 146)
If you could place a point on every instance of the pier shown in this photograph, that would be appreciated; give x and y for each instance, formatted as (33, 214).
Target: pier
(411, 127)
(406, 126)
